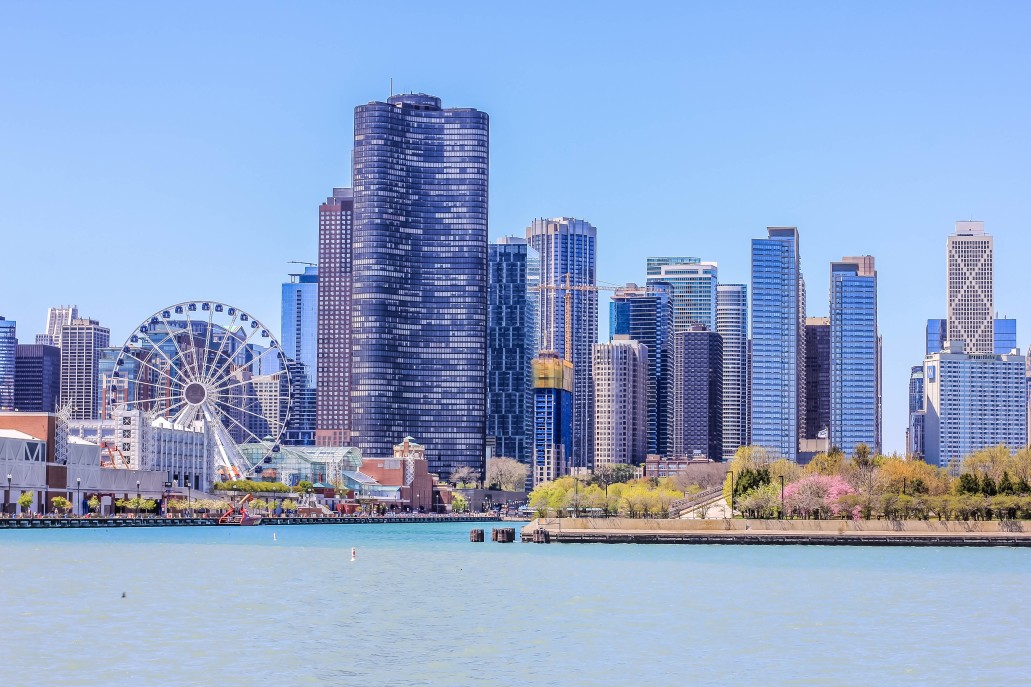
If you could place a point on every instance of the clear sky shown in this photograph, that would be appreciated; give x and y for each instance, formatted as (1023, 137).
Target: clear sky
(157, 152)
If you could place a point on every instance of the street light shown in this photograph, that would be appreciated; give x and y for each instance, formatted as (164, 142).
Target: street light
(782, 497)
(7, 494)
(137, 498)
(78, 494)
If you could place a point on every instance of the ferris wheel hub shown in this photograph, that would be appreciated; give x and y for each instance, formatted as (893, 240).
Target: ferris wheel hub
(195, 393)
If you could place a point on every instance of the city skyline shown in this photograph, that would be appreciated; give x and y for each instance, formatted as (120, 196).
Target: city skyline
(896, 198)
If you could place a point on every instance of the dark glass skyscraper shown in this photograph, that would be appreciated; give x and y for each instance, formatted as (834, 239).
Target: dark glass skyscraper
(817, 377)
(37, 378)
(698, 393)
(420, 280)
(513, 268)
(936, 333)
(8, 346)
(645, 314)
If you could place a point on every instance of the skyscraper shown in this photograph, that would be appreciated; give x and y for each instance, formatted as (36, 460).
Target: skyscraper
(420, 280)
(620, 401)
(694, 289)
(972, 401)
(915, 428)
(778, 343)
(56, 319)
(970, 287)
(333, 351)
(8, 348)
(300, 346)
(513, 269)
(854, 355)
(817, 377)
(732, 326)
(936, 333)
(1004, 335)
(698, 393)
(81, 344)
(567, 249)
(37, 379)
(552, 416)
(645, 314)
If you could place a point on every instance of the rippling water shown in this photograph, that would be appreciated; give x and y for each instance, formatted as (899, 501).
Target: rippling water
(424, 606)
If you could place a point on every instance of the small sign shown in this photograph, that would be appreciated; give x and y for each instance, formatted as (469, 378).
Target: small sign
(168, 485)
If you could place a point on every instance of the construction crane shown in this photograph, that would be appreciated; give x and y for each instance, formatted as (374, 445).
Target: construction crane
(567, 301)
(302, 262)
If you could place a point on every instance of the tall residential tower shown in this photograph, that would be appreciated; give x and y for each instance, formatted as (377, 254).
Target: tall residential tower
(419, 295)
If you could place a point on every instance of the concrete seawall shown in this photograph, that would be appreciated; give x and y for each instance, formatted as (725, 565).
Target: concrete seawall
(784, 532)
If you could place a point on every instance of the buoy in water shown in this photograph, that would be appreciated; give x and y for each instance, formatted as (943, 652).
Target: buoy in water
(354, 554)
(273, 536)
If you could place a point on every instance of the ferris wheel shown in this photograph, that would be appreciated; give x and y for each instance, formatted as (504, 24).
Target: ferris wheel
(211, 363)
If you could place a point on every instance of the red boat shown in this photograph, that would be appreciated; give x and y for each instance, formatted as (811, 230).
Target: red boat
(238, 515)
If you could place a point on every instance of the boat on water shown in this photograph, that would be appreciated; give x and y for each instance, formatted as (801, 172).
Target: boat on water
(238, 515)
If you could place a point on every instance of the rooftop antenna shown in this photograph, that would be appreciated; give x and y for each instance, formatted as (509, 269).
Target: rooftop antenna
(391, 87)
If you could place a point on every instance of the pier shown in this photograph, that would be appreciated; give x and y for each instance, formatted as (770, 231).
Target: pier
(73, 523)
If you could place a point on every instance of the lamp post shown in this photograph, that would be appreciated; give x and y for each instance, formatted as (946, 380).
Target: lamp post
(7, 494)
(78, 494)
(782, 497)
(189, 496)
(137, 498)
(732, 494)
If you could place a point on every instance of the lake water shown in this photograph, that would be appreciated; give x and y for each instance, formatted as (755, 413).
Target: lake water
(424, 606)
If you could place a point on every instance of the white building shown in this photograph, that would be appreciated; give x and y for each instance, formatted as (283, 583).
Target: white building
(81, 344)
(971, 402)
(56, 319)
(620, 401)
(970, 273)
(732, 326)
(132, 440)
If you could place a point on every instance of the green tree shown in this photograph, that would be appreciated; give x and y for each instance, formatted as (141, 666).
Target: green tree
(94, 504)
(1005, 484)
(968, 484)
(622, 472)
(988, 487)
(61, 504)
(459, 503)
(25, 500)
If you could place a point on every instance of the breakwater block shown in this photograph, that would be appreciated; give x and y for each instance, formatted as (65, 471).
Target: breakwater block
(505, 535)
(541, 536)
(476, 535)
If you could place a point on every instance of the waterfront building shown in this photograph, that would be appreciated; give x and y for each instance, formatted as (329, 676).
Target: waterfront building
(854, 355)
(936, 334)
(552, 416)
(1004, 335)
(37, 378)
(419, 259)
(694, 289)
(513, 270)
(698, 393)
(778, 343)
(568, 259)
(732, 326)
(56, 319)
(817, 377)
(915, 427)
(299, 340)
(971, 402)
(620, 401)
(970, 288)
(645, 314)
(333, 349)
(8, 362)
(81, 344)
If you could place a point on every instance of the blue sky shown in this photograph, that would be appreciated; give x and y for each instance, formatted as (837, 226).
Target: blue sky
(153, 153)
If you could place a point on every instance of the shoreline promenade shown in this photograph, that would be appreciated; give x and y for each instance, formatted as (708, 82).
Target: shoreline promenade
(781, 532)
(87, 523)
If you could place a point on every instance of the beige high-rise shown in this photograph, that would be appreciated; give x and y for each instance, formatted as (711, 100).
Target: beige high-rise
(620, 401)
(970, 288)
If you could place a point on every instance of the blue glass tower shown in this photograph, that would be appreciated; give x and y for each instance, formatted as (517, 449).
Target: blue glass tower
(513, 269)
(1004, 335)
(299, 339)
(694, 289)
(37, 381)
(419, 294)
(778, 343)
(854, 359)
(8, 348)
(936, 333)
(552, 417)
(645, 314)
